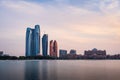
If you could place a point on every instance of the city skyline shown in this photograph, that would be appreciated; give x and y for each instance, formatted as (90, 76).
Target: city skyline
(79, 24)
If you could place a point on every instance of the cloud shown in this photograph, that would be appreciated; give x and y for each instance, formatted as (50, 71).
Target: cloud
(84, 26)
(23, 7)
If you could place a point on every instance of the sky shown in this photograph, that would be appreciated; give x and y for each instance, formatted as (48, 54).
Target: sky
(75, 24)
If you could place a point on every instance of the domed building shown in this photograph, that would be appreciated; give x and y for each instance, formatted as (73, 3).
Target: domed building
(95, 52)
(94, 49)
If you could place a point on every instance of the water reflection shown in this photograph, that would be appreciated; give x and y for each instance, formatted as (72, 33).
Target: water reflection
(32, 70)
(11, 70)
(40, 70)
(52, 73)
(60, 70)
(44, 70)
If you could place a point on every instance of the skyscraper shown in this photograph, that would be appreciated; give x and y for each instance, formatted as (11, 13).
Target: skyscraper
(33, 41)
(53, 48)
(45, 45)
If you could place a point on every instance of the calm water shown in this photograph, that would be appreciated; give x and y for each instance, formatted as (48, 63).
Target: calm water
(60, 70)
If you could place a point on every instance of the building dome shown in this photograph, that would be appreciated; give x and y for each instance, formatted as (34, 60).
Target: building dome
(94, 49)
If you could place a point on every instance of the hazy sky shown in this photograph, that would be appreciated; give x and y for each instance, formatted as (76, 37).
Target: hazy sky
(75, 24)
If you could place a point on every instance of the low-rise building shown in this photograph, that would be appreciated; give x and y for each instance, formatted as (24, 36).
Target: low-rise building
(94, 53)
(72, 51)
(62, 53)
(1, 53)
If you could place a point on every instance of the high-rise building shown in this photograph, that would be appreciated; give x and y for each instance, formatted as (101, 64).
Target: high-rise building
(45, 45)
(33, 41)
(53, 48)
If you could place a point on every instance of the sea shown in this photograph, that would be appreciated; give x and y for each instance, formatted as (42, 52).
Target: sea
(59, 69)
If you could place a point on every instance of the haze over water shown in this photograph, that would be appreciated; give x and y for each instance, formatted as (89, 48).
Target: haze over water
(60, 70)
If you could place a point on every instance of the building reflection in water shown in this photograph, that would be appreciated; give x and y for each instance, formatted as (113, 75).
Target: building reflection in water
(44, 70)
(40, 70)
(52, 67)
(32, 70)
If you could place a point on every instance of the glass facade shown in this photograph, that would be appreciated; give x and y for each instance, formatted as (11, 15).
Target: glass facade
(53, 48)
(33, 41)
(45, 45)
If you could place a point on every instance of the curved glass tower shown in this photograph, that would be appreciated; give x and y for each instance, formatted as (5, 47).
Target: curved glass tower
(45, 45)
(28, 41)
(37, 40)
(33, 41)
(53, 48)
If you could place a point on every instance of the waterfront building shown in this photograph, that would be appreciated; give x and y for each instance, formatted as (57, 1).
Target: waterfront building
(62, 53)
(33, 41)
(1, 53)
(45, 45)
(72, 56)
(95, 54)
(53, 48)
(72, 51)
